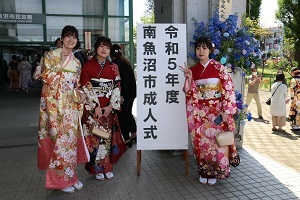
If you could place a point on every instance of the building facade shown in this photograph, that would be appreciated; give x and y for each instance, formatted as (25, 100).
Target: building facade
(28, 26)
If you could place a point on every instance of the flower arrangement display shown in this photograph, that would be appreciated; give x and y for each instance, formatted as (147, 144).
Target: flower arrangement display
(242, 115)
(233, 46)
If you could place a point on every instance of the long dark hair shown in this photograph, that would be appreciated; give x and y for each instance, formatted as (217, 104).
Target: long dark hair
(116, 52)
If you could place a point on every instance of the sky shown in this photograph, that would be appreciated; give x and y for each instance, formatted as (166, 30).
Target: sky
(267, 13)
(139, 9)
(267, 16)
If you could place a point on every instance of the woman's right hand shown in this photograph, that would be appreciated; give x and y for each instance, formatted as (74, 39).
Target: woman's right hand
(188, 74)
(98, 112)
(63, 55)
(186, 70)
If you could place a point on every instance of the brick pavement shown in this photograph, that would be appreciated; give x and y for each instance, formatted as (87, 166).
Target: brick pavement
(162, 173)
(282, 147)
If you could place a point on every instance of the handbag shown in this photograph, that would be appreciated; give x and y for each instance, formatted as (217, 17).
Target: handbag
(76, 95)
(224, 138)
(268, 102)
(100, 130)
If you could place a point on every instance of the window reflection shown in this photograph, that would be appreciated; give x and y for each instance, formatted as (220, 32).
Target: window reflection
(21, 6)
(21, 32)
(118, 29)
(80, 7)
(83, 24)
(118, 7)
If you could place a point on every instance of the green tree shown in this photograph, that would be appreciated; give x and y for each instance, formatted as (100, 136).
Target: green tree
(253, 9)
(289, 14)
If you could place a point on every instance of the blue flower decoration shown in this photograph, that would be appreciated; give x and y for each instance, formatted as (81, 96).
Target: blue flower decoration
(223, 60)
(234, 43)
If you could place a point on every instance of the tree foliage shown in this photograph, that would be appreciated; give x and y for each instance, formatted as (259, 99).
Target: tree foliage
(254, 9)
(255, 28)
(289, 14)
(150, 6)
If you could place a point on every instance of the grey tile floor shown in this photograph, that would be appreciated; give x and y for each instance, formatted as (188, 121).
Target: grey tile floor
(162, 173)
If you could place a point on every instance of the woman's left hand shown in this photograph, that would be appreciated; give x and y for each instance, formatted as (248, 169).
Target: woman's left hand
(107, 110)
(224, 116)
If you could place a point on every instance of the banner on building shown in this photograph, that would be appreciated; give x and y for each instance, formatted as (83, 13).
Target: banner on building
(161, 113)
(87, 39)
(22, 18)
(225, 8)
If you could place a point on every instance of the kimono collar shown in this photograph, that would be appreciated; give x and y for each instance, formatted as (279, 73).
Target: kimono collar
(205, 65)
(102, 64)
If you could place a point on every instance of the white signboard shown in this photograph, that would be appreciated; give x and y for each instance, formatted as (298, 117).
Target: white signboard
(161, 114)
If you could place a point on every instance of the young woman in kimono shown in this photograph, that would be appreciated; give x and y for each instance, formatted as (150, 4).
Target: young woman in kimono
(295, 99)
(59, 128)
(100, 81)
(209, 93)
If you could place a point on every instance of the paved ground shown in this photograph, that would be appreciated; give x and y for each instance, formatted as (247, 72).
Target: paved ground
(269, 166)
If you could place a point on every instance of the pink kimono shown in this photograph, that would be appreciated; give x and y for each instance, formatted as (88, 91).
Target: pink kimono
(212, 92)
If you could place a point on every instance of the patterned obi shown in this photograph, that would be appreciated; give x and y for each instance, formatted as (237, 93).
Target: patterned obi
(209, 88)
(102, 87)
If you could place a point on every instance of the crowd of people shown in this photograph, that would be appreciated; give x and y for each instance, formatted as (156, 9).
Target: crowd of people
(282, 93)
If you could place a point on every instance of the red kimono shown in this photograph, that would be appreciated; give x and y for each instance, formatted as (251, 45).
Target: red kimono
(212, 92)
(105, 91)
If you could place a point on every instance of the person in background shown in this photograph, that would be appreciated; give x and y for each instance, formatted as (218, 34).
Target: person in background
(254, 81)
(100, 80)
(210, 95)
(58, 43)
(294, 90)
(15, 74)
(280, 71)
(80, 55)
(25, 73)
(278, 103)
(128, 93)
(59, 128)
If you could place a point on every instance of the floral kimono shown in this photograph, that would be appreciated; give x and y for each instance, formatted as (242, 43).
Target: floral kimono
(101, 84)
(25, 74)
(60, 139)
(212, 92)
(295, 105)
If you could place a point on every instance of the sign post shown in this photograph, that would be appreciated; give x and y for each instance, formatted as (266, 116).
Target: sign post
(161, 112)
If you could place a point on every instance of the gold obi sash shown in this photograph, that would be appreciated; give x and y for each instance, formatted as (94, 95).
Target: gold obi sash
(209, 88)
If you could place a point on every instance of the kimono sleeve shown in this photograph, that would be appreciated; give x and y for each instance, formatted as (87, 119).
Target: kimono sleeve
(292, 86)
(192, 106)
(228, 97)
(115, 99)
(51, 71)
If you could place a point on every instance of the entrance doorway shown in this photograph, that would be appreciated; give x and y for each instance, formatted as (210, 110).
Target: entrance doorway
(6, 53)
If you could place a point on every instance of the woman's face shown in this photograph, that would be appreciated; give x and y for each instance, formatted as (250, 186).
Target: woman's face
(69, 42)
(202, 52)
(103, 51)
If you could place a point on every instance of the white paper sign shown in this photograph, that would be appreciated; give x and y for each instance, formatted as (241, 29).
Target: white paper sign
(161, 114)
